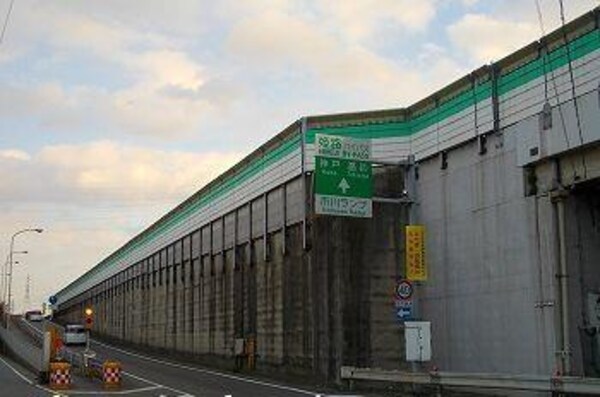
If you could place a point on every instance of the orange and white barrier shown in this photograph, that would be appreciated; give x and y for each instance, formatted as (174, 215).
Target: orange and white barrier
(60, 375)
(111, 374)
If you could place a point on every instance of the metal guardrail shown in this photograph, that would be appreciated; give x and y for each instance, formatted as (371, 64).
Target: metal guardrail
(89, 366)
(560, 384)
(73, 358)
(83, 362)
(34, 334)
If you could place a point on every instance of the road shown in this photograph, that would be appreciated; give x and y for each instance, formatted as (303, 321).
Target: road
(15, 381)
(154, 376)
(184, 379)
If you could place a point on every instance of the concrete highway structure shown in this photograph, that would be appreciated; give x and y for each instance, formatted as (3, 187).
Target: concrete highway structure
(502, 168)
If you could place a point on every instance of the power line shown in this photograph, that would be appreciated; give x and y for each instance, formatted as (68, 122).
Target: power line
(572, 79)
(554, 84)
(552, 75)
(6, 19)
(538, 8)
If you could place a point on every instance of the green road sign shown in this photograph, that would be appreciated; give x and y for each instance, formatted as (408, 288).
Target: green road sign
(343, 177)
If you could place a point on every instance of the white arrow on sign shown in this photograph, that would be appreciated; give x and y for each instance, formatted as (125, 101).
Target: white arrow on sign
(344, 185)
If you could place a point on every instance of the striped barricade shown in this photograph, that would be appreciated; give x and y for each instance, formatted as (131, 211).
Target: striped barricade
(111, 374)
(60, 375)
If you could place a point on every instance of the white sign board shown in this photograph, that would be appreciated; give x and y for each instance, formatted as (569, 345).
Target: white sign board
(343, 147)
(417, 335)
(344, 206)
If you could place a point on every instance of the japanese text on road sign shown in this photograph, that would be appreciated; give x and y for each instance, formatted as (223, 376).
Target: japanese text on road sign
(416, 268)
(343, 176)
(343, 147)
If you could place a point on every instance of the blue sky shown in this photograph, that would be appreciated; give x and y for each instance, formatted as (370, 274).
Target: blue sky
(114, 111)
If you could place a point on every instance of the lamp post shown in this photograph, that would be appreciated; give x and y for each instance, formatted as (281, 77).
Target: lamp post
(10, 266)
(3, 289)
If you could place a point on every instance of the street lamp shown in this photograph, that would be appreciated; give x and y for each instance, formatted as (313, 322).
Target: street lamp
(10, 268)
(5, 274)
(10, 303)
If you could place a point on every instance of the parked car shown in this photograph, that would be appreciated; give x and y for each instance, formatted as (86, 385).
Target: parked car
(34, 315)
(75, 334)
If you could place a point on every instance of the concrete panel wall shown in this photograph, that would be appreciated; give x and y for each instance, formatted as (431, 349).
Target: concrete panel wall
(583, 248)
(490, 257)
(310, 311)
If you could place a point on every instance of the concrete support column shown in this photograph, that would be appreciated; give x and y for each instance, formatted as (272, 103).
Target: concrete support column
(563, 351)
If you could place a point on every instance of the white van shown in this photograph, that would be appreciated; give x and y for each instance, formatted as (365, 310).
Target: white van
(34, 315)
(75, 334)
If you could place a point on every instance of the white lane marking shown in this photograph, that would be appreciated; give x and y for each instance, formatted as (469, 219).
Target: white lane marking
(24, 378)
(137, 377)
(103, 392)
(13, 369)
(84, 392)
(206, 371)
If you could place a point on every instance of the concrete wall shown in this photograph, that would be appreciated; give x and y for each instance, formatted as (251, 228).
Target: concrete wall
(310, 310)
(583, 248)
(492, 250)
(489, 251)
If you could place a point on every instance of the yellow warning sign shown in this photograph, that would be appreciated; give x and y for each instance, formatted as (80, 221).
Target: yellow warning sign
(416, 269)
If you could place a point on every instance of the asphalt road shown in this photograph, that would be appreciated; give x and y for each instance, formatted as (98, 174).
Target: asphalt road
(183, 379)
(15, 381)
(158, 376)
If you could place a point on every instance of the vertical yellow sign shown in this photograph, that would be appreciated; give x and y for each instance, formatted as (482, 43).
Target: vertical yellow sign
(416, 269)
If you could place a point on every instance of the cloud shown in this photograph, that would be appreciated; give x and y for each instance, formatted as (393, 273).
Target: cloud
(175, 18)
(487, 39)
(90, 199)
(508, 26)
(63, 250)
(14, 154)
(146, 60)
(277, 43)
(107, 171)
(360, 19)
(351, 21)
(132, 109)
(525, 11)
(167, 67)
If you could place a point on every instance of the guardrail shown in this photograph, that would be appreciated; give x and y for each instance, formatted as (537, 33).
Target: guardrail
(74, 358)
(34, 334)
(558, 384)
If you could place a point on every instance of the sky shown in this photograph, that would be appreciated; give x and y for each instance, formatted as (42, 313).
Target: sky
(112, 112)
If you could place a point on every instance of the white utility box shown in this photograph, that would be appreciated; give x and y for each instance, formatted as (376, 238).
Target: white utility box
(417, 335)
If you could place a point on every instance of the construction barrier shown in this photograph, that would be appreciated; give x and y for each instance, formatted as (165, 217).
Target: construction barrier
(60, 375)
(111, 374)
